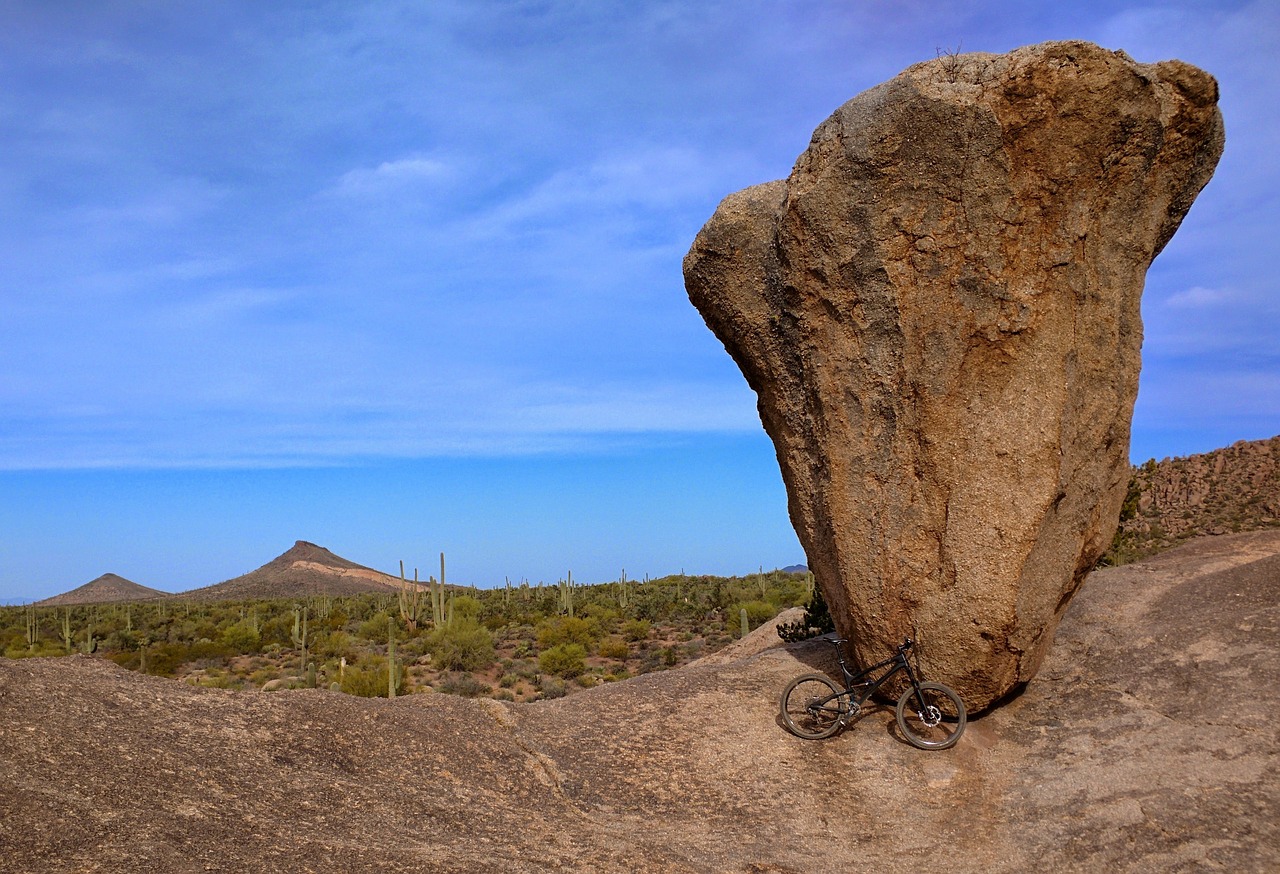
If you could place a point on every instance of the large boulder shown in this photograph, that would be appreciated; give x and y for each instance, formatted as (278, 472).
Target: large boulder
(939, 312)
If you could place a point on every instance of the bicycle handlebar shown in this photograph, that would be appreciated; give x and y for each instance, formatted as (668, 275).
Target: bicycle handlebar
(906, 644)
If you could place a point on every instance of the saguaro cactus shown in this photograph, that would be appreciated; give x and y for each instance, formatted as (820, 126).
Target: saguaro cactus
(566, 595)
(410, 599)
(300, 635)
(391, 660)
(622, 591)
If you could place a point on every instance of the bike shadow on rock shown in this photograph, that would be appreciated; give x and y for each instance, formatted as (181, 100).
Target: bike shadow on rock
(819, 655)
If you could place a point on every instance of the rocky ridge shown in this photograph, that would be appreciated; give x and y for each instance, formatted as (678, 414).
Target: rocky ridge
(304, 569)
(1147, 743)
(1226, 491)
(106, 589)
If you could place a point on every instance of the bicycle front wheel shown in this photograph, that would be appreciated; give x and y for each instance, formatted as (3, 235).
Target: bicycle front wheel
(811, 707)
(933, 720)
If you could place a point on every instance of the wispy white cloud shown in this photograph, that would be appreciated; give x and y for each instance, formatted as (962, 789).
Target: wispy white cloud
(482, 418)
(1199, 297)
(221, 308)
(393, 176)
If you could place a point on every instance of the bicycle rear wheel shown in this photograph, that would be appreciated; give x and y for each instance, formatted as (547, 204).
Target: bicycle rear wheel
(934, 723)
(811, 706)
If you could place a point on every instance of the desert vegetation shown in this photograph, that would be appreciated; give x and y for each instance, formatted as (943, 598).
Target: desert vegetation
(520, 642)
(1228, 491)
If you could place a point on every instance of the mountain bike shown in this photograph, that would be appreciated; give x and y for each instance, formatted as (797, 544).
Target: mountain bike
(930, 715)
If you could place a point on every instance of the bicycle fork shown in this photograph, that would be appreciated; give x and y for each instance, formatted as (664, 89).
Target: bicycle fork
(929, 714)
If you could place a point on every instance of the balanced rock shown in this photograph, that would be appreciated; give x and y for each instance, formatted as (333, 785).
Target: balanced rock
(939, 313)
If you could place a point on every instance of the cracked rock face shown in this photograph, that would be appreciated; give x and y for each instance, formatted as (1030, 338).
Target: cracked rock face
(939, 312)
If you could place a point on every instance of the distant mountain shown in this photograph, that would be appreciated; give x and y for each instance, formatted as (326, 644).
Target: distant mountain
(305, 569)
(106, 589)
(796, 569)
(1228, 490)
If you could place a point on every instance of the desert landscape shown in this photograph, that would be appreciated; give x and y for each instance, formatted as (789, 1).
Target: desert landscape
(940, 313)
(1147, 743)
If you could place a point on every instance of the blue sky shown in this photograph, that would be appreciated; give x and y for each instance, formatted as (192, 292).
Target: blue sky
(400, 278)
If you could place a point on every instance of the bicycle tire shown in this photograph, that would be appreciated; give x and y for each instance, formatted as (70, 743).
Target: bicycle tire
(941, 721)
(804, 721)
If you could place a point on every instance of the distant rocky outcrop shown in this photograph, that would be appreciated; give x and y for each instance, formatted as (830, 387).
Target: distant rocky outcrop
(106, 589)
(1147, 743)
(304, 569)
(939, 313)
(1226, 491)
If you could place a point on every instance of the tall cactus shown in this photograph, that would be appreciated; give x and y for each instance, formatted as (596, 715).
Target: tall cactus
(566, 595)
(441, 609)
(66, 629)
(391, 660)
(410, 599)
(33, 626)
(622, 591)
(299, 635)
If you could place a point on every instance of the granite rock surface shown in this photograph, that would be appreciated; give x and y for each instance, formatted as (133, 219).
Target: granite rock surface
(939, 312)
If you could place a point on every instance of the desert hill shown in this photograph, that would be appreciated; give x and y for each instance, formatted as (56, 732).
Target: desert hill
(304, 569)
(1226, 491)
(1147, 743)
(106, 589)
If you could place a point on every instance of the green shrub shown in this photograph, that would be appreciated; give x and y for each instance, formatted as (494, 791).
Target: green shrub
(606, 618)
(551, 687)
(241, 637)
(817, 620)
(758, 612)
(457, 683)
(466, 607)
(334, 645)
(368, 678)
(615, 648)
(564, 660)
(636, 629)
(374, 628)
(466, 645)
(567, 629)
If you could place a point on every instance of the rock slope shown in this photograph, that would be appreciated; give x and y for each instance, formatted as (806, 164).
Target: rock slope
(106, 589)
(939, 312)
(1226, 491)
(304, 569)
(1147, 743)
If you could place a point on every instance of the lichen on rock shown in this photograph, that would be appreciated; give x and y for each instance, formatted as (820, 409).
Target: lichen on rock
(939, 312)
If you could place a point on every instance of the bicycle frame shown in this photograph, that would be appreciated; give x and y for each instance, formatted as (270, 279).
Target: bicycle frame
(867, 684)
(930, 715)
